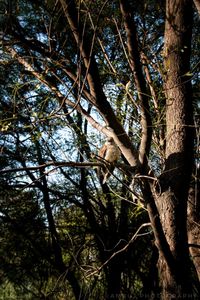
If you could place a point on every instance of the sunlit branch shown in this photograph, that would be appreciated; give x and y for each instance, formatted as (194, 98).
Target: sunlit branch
(135, 66)
(86, 164)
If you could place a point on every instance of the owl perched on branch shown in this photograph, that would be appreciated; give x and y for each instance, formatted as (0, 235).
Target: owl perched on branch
(110, 153)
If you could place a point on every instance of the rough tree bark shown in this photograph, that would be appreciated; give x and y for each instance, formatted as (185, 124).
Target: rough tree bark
(193, 224)
(162, 240)
(174, 182)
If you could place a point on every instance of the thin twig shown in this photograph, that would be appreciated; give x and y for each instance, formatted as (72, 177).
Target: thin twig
(120, 250)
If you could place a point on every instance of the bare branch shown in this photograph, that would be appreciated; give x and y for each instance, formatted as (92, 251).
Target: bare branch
(134, 237)
(57, 164)
(135, 65)
(86, 164)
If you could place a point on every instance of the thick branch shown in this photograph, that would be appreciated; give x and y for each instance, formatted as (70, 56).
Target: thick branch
(135, 65)
(98, 97)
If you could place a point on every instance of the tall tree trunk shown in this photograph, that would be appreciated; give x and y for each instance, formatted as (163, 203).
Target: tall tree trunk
(174, 182)
(194, 221)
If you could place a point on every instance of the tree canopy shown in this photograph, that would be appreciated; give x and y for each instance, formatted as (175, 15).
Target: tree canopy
(73, 73)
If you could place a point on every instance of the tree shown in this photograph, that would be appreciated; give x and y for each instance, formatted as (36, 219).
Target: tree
(124, 69)
(179, 142)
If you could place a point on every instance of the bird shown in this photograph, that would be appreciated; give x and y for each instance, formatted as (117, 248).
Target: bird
(110, 153)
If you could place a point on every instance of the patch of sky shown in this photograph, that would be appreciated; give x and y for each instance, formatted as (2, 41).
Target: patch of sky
(42, 38)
